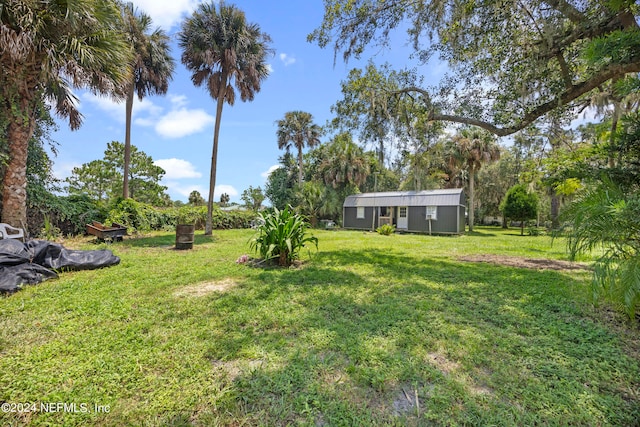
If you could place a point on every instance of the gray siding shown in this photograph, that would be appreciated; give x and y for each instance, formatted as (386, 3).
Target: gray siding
(449, 202)
(445, 223)
(350, 219)
(450, 219)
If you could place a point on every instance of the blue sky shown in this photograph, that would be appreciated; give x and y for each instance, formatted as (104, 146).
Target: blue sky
(176, 130)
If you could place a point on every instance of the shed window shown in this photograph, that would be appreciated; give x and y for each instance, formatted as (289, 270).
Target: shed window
(432, 212)
(360, 212)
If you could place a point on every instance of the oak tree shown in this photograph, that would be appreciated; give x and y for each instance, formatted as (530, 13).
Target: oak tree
(511, 62)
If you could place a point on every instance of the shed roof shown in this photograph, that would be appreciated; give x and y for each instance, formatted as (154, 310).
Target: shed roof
(446, 197)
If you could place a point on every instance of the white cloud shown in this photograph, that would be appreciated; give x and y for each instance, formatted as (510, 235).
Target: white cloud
(116, 109)
(177, 123)
(177, 169)
(287, 59)
(183, 122)
(145, 106)
(269, 68)
(108, 105)
(178, 100)
(268, 172)
(166, 13)
(144, 122)
(63, 170)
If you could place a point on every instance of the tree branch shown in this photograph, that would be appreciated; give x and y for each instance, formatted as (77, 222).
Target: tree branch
(564, 98)
(565, 70)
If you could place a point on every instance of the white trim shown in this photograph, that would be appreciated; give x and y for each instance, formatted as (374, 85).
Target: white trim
(403, 221)
(431, 212)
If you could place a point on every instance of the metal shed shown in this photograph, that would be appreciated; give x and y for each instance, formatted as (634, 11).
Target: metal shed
(428, 211)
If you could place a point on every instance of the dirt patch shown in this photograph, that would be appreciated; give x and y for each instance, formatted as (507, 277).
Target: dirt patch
(532, 263)
(407, 402)
(444, 365)
(205, 288)
(235, 368)
(480, 390)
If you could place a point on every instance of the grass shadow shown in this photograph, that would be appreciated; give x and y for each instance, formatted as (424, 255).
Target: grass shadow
(477, 233)
(356, 324)
(338, 341)
(164, 240)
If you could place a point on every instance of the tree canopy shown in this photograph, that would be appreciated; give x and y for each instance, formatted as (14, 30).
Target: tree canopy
(520, 204)
(511, 63)
(102, 179)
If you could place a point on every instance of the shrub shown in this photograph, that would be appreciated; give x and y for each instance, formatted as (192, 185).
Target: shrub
(68, 214)
(386, 229)
(142, 217)
(532, 230)
(281, 235)
(195, 215)
(49, 231)
(137, 216)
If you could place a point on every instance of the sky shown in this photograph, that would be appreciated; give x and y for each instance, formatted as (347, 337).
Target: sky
(176, 129)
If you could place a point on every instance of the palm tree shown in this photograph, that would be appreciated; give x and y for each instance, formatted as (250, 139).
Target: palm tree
(152, 68)
(469, 150)
(312, 201)
(297, 128)
(220, 47)
(345, 165)
(224, 199)
(47, 48)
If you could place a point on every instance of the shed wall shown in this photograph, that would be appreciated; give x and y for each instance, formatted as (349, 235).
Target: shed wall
(350, 220)
(450, 220)
(445, 223)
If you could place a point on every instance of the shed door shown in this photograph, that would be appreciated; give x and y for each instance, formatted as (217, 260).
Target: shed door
(403, 218)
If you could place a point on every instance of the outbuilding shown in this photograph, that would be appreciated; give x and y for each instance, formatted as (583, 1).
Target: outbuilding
(429, 211)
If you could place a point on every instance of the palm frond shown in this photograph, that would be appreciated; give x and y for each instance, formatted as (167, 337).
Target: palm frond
(606, 218)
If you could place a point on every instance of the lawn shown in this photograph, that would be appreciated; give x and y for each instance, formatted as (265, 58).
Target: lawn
(368, 330)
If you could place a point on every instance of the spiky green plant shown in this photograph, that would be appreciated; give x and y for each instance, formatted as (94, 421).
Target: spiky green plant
(281, 235)
(606, 217)
(386, 229)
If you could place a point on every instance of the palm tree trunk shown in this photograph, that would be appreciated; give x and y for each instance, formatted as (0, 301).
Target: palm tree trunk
(555, 209)
(208, 229)
(127, 143)
(14, 182)
(471, 197)
(300, 164)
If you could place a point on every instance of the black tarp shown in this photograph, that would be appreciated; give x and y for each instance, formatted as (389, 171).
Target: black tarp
(38, 260)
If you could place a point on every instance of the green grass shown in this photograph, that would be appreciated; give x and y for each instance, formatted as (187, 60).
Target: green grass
(351, 337)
